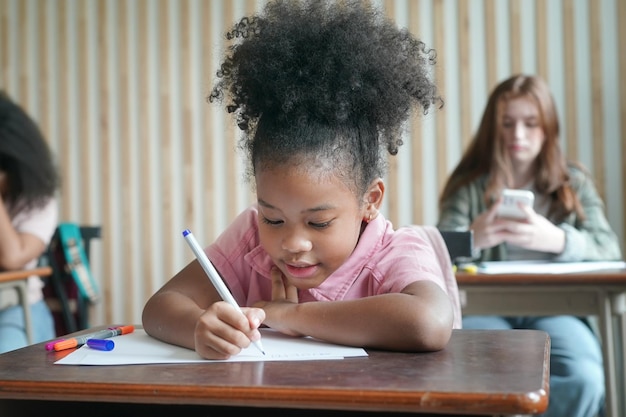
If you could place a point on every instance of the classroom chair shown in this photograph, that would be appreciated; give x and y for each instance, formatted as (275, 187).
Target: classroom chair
(17, 280)
(460, 244)
(69, 307)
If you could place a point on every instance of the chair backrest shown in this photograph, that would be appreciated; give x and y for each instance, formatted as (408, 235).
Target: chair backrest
(70, 308)
(89, 233)
(460, 244)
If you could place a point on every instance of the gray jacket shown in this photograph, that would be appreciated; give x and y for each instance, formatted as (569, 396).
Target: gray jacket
(591, 239)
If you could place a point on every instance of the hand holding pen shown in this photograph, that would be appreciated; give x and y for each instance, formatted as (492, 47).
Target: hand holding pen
(214, 276)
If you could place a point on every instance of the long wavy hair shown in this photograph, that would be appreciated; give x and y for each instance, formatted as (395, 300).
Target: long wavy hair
(486, 154)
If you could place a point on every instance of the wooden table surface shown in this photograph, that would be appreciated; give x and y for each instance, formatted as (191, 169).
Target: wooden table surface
(481, 372)
(605, 277)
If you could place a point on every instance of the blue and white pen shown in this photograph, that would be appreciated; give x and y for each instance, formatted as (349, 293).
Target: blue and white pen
(214, 276)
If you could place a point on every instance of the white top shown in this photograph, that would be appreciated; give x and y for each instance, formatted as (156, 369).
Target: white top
(40, 222)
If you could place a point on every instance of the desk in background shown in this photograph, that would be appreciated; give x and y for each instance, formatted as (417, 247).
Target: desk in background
(18, 281)
(480, 372)
(597, 293)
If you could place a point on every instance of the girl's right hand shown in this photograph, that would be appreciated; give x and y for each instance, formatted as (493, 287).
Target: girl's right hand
(222, 331)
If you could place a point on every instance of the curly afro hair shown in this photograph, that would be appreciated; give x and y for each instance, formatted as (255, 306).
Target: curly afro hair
(25, 157)
(329, 82)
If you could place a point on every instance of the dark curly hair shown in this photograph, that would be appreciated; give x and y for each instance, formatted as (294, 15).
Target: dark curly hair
(25, 157)
(329, 82)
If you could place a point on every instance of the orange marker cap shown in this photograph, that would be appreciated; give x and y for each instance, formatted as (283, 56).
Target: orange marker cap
(66, 344)
(127, 329)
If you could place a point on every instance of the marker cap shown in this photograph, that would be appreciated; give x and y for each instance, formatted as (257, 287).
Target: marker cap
(127, 329)
(101, 344)
(50, 345)
(65, 344)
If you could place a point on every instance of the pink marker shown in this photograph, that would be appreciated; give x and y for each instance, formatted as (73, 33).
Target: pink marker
(50, 345)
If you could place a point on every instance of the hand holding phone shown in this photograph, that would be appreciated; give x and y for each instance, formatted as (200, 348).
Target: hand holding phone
(509, 207)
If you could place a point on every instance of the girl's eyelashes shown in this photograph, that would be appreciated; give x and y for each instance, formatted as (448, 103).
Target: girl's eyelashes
(321, 225)
(271, 222)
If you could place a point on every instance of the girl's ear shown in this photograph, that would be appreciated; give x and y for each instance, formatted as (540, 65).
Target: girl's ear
(373, 199)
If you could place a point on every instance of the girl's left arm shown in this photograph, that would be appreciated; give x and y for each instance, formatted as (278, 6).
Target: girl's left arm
(418, 319)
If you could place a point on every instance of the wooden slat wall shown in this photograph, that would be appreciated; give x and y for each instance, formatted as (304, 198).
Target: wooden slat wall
(621, 88)
(442, 117)
(541, 32)
(571, 90)
(120, 86)
(416, 137)
(597, 115)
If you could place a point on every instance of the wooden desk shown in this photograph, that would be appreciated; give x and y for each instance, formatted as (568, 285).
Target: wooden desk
(597, 293)
(481, 372)
(18, 281)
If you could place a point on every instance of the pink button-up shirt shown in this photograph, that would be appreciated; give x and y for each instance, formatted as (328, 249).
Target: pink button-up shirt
(384, 261)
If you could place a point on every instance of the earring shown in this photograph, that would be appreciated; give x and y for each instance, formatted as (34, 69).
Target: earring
(369, 218)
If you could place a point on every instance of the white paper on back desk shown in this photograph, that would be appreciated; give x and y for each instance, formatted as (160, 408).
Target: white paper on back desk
(140, 348)
(546, 267)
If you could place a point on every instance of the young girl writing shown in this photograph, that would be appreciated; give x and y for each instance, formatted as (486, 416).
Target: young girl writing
(320, 92)
(517, 146)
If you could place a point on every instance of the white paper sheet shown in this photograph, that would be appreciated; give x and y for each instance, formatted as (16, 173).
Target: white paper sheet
(545, 267)
(140, 348)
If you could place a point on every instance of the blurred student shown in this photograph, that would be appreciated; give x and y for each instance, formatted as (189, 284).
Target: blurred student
(517, 147)
(28, 218)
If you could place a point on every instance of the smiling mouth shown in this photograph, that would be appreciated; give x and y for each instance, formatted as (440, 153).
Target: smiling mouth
(301, 271)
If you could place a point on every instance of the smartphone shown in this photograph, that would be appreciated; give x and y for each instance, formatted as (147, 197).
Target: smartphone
(510, 208)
